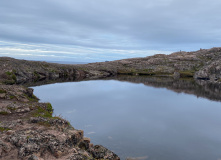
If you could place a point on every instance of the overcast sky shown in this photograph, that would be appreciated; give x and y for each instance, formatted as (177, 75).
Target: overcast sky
(99, 30)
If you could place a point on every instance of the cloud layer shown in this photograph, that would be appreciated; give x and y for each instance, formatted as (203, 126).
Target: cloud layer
(109, 26)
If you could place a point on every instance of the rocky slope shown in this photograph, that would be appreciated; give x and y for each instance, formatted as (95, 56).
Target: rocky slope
(202, 64)
(28, 131)
(15, 71)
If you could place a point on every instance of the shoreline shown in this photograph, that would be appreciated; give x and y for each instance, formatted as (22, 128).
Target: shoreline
(29, 131)
(27, 128)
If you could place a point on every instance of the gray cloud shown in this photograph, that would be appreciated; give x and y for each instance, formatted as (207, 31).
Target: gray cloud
(113, 24)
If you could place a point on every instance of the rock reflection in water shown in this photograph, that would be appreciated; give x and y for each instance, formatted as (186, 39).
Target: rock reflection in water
(143, 118)
(200, 88)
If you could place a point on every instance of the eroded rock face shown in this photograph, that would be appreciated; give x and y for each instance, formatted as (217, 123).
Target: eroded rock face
(212, 71)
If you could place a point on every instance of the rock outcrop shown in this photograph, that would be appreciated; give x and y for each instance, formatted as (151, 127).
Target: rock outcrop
(15, 71)
(203, 64)
(29, 131)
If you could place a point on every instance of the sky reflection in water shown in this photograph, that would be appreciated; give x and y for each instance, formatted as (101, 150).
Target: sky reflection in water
(135, 120)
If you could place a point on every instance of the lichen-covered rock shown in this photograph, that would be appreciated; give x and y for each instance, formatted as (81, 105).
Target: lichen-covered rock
(4, 148)
(44, 141)
(101, 152)
(78, 156)
(212, 71)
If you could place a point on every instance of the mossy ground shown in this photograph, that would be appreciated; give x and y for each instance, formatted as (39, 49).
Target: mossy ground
(2, 129)
(10, 77)
(2, 91)
(3, 113)
(44, 112)
(184, 74)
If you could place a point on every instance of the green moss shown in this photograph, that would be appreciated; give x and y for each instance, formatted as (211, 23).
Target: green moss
(149, 72)
(9, 82)
(2, 91)
(11, 108)
(14, 77)
(186, 74)
(126, 72)
(49, 107)
(36, 75)
(52, 70)
(42, 112)
(46, 124)
(2, 129)
(47, 113)
(8, 73)
(11, 75)
(219, 80)
(11, 97)
(32, 98)
(3, 113)
(146, 72)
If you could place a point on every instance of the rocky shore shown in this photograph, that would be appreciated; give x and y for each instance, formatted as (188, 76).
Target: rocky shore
(29, 131)
(203, 64)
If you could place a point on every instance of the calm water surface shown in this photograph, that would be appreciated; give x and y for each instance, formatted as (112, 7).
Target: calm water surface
(135, 120)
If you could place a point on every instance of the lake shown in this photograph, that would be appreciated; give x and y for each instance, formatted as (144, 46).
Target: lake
(142, 119)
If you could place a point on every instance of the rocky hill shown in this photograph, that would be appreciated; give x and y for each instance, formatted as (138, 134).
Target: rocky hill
(202, 64)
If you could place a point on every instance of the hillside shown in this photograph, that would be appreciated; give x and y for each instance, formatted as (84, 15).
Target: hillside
(202, 64)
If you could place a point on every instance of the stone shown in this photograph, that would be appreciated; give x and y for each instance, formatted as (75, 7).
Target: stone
(58, 154)
(176, 75)
(2, 95)
(101, 152)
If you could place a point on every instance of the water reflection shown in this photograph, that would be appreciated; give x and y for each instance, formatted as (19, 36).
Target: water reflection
(200, 88)
(137, 120)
